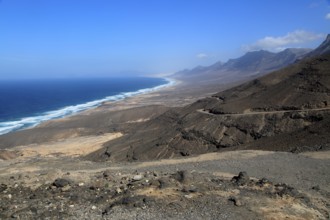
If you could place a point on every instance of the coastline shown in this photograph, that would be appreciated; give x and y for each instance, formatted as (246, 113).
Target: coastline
(68, 111)
(109, 117)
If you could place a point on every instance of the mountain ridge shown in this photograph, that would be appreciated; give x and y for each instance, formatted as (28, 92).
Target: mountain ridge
(254, 63)
(290, 102)
(324, 48)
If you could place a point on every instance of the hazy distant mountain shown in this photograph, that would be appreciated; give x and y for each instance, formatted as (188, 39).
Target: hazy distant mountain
(254, 63)
(264, 61)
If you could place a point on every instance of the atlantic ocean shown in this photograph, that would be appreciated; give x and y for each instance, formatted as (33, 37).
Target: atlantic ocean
(27, 103)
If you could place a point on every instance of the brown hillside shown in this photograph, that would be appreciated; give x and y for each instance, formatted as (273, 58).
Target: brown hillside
(290, 101)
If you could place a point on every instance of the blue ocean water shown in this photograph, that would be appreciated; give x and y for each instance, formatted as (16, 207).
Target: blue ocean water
(26, 103)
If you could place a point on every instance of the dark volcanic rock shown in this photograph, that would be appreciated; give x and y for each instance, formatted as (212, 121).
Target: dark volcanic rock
(3, 187)
(241, 179)
(59, 183)
(263, 182)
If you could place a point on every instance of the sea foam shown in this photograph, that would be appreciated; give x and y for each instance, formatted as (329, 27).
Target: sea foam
(29, 122)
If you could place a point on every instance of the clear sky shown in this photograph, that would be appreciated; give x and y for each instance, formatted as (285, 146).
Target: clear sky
(74, 38)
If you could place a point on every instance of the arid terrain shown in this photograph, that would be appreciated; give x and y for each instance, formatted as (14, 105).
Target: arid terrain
(253, 150)
(59, 185)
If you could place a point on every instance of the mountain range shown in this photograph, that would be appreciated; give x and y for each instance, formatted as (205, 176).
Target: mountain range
(252, 64)
(285, 110)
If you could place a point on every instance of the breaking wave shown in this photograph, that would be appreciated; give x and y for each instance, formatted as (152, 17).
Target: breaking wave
(28, 122)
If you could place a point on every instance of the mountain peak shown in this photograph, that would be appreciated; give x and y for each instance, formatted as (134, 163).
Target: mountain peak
(326, 42)
(328, 38)
(258, 52)
(324, 48)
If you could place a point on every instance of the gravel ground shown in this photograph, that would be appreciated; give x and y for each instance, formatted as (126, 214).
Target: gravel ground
(201, 187)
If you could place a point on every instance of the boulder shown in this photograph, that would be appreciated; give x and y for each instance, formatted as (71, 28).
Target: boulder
(241, 179)
(59, 183)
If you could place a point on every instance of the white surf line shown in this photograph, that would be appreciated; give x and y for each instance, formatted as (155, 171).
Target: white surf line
(29, 122)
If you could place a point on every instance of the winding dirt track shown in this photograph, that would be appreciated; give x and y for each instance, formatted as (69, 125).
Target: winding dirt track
(261, 113)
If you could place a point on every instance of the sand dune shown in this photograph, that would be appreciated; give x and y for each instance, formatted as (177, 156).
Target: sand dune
(73, 147)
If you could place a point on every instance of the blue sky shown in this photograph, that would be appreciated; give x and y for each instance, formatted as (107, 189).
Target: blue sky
(75, 38)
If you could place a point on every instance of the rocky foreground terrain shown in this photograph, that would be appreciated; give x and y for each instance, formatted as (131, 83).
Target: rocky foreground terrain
(210, 186)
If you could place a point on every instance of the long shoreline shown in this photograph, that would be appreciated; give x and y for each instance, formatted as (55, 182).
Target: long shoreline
(31, 122)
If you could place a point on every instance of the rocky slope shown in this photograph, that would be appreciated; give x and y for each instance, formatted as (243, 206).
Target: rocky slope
(287, 103)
